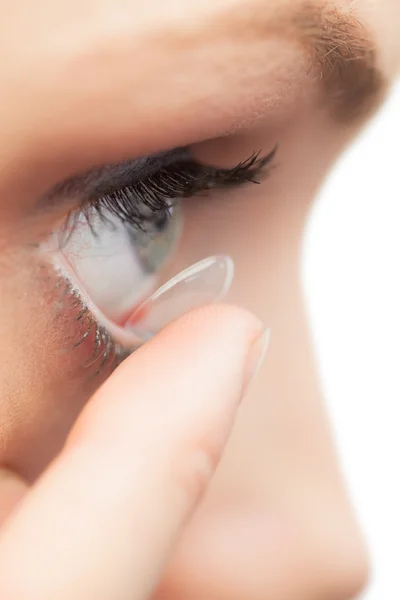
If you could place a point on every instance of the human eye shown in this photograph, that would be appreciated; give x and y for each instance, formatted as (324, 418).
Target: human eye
(116, 251)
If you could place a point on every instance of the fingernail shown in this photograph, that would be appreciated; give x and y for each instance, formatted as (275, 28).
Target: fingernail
(255, 358)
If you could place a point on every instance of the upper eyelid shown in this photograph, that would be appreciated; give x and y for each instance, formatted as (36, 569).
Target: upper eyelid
(57, 207)
(100, 182)
(142, 202)
(103, 180)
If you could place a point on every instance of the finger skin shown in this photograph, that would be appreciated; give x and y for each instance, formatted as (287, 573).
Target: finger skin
(12, 489)
(101, 523)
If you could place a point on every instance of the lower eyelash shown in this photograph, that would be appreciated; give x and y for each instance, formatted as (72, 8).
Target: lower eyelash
(106, 354)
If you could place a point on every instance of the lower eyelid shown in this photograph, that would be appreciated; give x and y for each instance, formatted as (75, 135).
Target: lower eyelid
(47, 375)
(97, 353)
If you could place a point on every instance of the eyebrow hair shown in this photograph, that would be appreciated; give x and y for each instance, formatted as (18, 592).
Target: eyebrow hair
(343, 52)
(347, 56)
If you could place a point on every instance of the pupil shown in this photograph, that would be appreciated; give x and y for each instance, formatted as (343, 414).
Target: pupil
(161, 219)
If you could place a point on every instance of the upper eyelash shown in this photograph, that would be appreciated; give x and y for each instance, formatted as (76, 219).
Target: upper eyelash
(145, 200)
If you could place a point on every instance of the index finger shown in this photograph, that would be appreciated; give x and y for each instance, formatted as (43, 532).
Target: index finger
(102, 521)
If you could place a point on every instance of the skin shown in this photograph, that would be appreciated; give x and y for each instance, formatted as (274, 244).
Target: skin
(226, 77)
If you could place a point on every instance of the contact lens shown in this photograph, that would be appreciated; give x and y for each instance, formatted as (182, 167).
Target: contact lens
(203, 283)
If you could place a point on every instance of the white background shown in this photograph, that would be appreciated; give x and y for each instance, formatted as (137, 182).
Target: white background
(351, 275)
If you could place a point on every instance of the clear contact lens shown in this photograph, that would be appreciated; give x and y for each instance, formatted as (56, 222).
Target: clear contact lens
(202, 283)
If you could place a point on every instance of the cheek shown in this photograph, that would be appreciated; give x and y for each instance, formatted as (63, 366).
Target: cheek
(49, 364)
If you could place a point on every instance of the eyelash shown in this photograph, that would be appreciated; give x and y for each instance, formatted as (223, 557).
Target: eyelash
(143, 202)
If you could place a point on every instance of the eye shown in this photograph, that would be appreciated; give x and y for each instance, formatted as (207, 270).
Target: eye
(118, 263)
(123, 273)
(117, 249)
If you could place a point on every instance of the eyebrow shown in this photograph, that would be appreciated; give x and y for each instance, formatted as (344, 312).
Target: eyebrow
(343, 52)
(347, 56)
